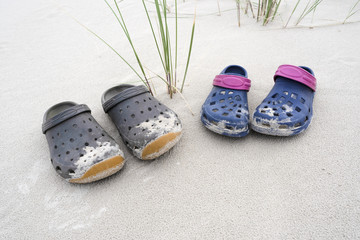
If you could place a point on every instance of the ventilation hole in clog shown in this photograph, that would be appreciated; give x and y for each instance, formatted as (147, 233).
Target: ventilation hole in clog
(294, 95)
(124, 119)
(298, 109)
(289, 114)
(215, 110)
(286, 93)
(55, 147)
(212, 103)
(269, 102)
(302, 100)
(166, 110)
(281, 99)
(129, 128)
(266, 106)
(239, 110)
(86, 144)
(150, 98)
(71, 159)
(235, 105)
(96, 127)
(275, 109)
(289, 103)
(52, 137)
(240, 105)
(58, 134)
(230, 98)
(309, 110)
(232, 102)
(223, 106)
(147, 120)
(155, 116)
(222, 100)
(126, 142)
(214, 95)
(136, 147)
(238, 116)
(263, 111)
(276, 114)
(149, 109)
(90, 120)
(225, 114)
(266, 124)
(161, 113)
(297, 125)
(306, 119)
(77, 149)
(133, 115)
(237, 98)
(90, 130)
(67, 152)
(63, 144)
(230, 110)
(58, 169)
(81, 155)
(137, 102)
(74, 125)
(204, 116)
(143, 130)
(144, 100)
(65, 130)
(128, 106)
(275, 95)
(95, 139)
(155, 106)
(134, 134)
(120, 110)
(71, 172)
(222, 93)
(215, 123)
(103, 134)
(59, 155)
(283, 108)
(177, 124)
(283, 127)
(160, 121)
(229, 127)
(91, 150)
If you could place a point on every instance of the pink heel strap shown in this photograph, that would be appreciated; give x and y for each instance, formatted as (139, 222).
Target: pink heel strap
(232, 82)
(297, 74)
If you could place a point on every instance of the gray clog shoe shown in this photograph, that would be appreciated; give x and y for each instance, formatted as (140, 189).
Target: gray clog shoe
(81, 151)
(148, 127)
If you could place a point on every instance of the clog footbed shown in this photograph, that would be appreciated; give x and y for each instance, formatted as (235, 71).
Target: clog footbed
(81, 151)
(287, 110)
(148, 127)
(225, 110)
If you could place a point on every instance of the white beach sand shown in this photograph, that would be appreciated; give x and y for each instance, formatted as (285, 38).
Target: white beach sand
(208, 186)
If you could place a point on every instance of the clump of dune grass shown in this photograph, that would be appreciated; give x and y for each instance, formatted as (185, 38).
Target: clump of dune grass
(351, 11)
(163, 44)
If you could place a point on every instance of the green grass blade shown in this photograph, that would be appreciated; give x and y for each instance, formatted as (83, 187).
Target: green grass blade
(292, 13)
(351, 13)
(189, 54)
(153, 33)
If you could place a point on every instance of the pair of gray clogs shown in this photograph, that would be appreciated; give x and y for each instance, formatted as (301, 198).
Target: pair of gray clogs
(82, 152)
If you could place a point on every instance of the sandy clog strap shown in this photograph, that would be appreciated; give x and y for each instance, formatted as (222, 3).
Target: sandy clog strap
(63, 116)
(232, 82)
(127, 93)
(297, 74)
